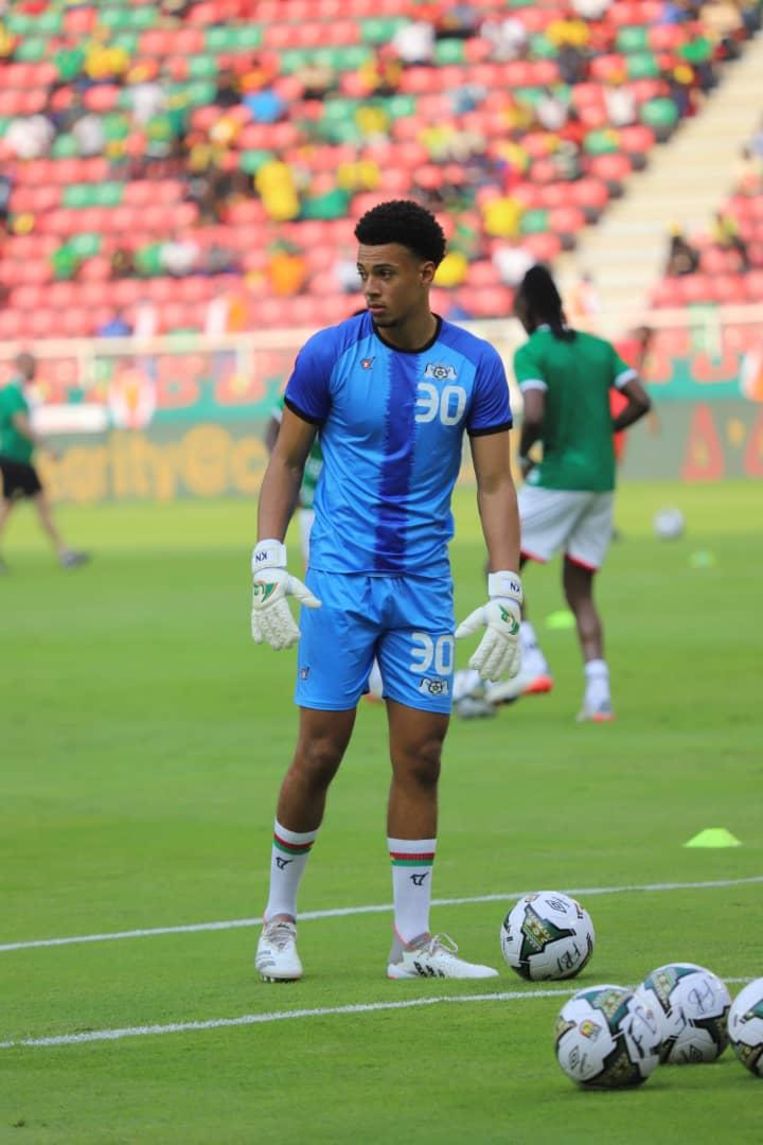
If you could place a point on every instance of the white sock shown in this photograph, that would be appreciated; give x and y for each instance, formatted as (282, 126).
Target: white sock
(375, 682)
(412, 861)
(289, 855)
(597, 682)
(533, 661)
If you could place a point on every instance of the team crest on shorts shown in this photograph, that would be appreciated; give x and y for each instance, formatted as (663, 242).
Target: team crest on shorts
(432, 687)
(304, 673)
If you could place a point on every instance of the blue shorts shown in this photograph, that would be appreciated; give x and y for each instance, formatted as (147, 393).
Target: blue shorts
(405, 622)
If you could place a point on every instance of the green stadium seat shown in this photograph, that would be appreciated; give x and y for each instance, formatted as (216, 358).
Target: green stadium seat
(449, 51)
(642, 65)
(380, 31)
(534, 222)
(632, 39)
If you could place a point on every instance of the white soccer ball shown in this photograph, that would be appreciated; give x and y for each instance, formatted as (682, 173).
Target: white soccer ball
(669, 524)
(547, 935)
(746, 1026)
(692, 1005)
(606, 1038)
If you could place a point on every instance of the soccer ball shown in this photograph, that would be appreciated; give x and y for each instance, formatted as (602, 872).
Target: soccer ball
(547, 935)
(606, 1038)
(692, 1005)
(669, 524)
(746, 1026)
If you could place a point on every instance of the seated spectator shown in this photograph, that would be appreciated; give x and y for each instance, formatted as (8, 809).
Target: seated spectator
(620, 102)
(683, 258)
(346, 271)
(179, 255)
(572, 63)
(512, 261)
(219, 259)
(8, 43)
(228, 92)
(748, 177)
(380, 73)
(286, 270)
(507, 36)
(551, 110)
(90, 135)
(30, 137)
(116, 327)
(147, 96)
(414, 43)
(122, 262)
(318, 79)
(265, 106)
(6, 190)
(591, 9)
(458, 21)
(725, 234)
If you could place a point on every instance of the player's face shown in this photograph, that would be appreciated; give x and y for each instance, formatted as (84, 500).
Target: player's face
(395, 283)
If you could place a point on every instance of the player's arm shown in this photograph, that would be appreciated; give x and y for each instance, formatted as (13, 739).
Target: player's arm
(271, 432)
(532, 425)
(498, 652)
(280, 485)
(272, 584)
(496, 499)
(638, 403)
(22, 424)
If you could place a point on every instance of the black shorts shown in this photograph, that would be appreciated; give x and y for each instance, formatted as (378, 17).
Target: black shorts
(19, 479)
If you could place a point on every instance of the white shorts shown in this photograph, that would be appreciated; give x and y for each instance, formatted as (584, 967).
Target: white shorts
(578, 523)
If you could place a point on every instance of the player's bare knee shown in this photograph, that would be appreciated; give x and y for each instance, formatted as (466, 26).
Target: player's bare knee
(318, 760)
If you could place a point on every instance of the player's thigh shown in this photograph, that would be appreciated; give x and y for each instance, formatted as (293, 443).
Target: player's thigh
(547, 519)
(336, 647)
(416, 648)
(416, 738)
(590, 539)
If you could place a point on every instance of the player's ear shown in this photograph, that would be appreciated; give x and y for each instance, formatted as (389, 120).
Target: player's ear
(427, 271)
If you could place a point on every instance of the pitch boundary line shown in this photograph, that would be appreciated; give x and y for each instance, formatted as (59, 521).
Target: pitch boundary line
(351, 911)
(120, 1033)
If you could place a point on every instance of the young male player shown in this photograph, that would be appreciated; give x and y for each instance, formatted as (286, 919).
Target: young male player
(391, 393)
(18, 442)
(567, 500)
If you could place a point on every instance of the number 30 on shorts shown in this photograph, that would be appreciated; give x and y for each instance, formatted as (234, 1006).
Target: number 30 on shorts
(429, 655)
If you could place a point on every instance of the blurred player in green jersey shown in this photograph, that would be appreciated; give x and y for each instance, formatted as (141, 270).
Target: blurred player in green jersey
(18, 443)
(566, 503)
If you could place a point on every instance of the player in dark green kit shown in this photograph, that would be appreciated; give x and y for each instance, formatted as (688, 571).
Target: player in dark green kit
(566, 503)
(18, 442)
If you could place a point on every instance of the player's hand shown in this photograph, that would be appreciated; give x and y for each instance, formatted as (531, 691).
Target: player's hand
(272, 621)
(498, 653)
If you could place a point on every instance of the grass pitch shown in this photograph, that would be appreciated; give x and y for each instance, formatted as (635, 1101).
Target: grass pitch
(143, 739)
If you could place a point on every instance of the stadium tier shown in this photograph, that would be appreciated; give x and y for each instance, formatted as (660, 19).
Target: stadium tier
(170, 156)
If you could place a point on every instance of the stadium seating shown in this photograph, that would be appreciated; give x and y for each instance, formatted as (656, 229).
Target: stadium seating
(303, 148)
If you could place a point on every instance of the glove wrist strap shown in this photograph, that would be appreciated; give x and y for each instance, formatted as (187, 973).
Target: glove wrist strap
(269, 554)
(505, 584)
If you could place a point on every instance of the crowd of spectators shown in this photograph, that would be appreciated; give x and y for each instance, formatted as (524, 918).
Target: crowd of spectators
(143, 123)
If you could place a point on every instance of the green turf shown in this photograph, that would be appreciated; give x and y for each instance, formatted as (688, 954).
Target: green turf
(143, 739)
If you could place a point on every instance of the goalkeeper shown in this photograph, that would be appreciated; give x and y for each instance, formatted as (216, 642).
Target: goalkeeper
(390, 393)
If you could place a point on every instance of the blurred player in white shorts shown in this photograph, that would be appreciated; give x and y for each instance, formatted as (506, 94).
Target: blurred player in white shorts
(566, 504)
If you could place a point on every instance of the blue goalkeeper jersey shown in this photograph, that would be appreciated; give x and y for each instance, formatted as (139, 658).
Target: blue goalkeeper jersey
(391, 425)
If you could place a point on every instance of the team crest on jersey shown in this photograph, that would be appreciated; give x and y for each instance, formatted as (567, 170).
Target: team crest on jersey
(304, 673)
(440, 372)
(434, 687)
(366, 363)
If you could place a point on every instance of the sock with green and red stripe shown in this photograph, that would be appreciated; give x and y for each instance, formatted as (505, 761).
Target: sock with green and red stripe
(412, 861)
(289, 856)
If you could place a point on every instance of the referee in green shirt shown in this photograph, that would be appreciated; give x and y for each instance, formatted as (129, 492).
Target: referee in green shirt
(20, 479)
(566, 503)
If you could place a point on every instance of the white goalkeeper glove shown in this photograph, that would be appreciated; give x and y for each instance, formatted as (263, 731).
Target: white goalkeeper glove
(272, 621)
(498, 653)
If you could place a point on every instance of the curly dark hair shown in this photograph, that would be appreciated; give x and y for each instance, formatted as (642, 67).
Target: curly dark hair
(405, 222)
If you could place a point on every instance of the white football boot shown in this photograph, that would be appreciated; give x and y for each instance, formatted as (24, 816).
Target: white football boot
(276, 958)
(433, 956)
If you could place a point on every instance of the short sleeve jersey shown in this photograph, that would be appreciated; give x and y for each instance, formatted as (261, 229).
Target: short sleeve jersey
(13, 445)
(576, 377)
(391, 427)
(313, 466)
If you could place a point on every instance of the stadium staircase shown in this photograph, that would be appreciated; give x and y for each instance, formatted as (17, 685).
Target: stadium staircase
(684, 184)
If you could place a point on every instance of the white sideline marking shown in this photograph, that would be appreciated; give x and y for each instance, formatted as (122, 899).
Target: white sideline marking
(280, 1016)
(343, 912)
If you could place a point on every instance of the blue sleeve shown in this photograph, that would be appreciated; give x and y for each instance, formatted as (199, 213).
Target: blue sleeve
(491, 409)
(308, 390)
